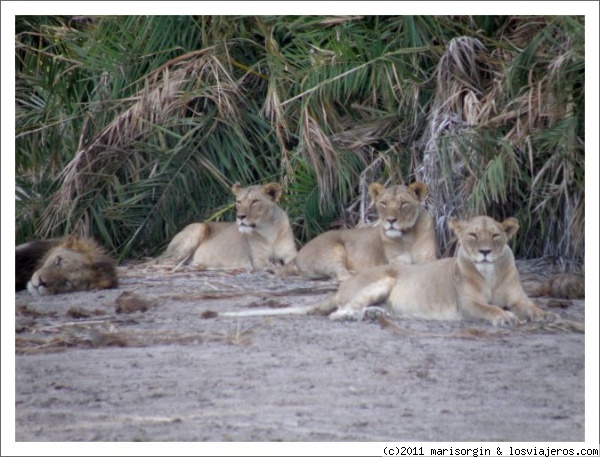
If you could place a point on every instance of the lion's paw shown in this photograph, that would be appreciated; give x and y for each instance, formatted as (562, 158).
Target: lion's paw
(506, 319)
(346, 314)
(548, 316)
(373, 313)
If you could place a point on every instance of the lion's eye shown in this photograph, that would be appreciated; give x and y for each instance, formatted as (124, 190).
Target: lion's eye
(57, 261)
(253, 202)
(383, 204)
(473, 235)
(405, 205)
(496, 236)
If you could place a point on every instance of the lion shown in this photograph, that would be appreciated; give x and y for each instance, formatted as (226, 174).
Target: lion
(405, 235)
(478, 283)
(64, 265)
(261, 236)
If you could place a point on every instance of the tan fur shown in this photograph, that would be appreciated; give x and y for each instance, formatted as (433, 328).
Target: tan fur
(405, 235)
(75, 264)
(476, 284)
(261, 236)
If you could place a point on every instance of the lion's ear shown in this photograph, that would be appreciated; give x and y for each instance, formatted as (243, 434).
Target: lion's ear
(236, 188)
(375, 190)
(510, 227)
(273, 190)
(70, 242)
(420, 189)
(457, 226)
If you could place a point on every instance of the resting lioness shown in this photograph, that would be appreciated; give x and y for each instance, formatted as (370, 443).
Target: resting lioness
(476, 284)
(405, 235)
(261, 236)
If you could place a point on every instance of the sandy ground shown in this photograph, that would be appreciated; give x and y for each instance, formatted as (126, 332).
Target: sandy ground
(146, 362)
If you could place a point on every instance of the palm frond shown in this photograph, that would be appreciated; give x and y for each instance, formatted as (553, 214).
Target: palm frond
(130, 127)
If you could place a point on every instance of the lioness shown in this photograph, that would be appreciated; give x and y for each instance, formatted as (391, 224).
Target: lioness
(405, 235)
(261, 236)
(476, 284)
(60, 266)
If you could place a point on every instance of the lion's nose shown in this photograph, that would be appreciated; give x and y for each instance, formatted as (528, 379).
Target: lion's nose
(241, 217)
(41, 281)
(485, 252)
(391, 221)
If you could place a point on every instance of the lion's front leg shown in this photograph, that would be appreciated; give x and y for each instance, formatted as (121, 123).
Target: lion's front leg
(357, 293)
(510, 294)
(493, 314)
(526, 309)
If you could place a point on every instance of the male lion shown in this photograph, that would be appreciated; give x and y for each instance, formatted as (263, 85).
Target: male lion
(476, 284)
(59, 266)
(261, 236)
(405, 235)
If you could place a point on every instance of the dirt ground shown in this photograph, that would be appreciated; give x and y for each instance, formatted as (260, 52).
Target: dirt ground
(147, 362)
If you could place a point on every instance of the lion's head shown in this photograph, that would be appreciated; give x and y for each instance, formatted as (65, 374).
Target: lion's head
(256, 206)
(75, 264)
(398, 206)
(482, 239)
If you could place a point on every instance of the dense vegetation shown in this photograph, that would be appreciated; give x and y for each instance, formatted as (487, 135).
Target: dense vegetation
(128, 128)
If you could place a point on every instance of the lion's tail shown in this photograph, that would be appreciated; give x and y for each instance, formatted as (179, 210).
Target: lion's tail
(324, 308)
(294, 310)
